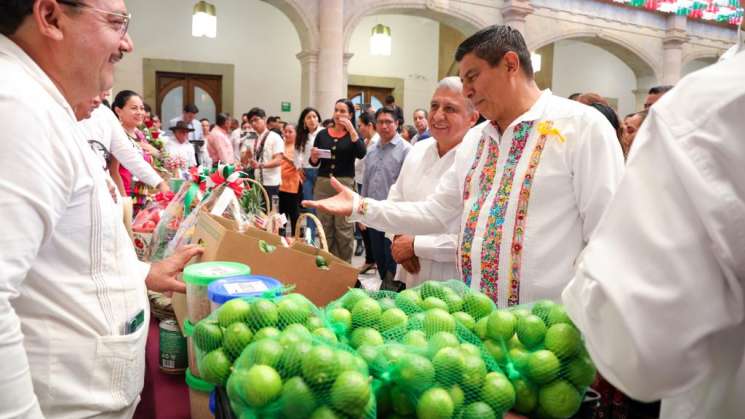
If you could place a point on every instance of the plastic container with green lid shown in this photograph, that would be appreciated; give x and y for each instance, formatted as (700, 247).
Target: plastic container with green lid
(198, 276)
(199, 396)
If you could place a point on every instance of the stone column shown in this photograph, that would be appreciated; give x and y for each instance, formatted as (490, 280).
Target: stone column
(514, 13)
(672, 44)
(330, 56)
(309, 73)
(347, 56)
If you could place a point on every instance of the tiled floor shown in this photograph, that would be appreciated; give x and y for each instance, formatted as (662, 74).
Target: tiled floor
(371, 279)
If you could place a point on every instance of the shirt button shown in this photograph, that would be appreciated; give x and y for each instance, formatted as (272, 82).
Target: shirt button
(333, 157)
(333, 148)
(333, 167)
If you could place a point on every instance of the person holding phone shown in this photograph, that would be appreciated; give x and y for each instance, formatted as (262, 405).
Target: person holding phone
(334, 152)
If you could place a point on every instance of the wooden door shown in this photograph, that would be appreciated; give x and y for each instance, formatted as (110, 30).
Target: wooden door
(360, 95)
(175, 90)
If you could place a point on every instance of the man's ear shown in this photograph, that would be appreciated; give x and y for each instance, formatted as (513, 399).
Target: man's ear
(46, 15)
(512, 61)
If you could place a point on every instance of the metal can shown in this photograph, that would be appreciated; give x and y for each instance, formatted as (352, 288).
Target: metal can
(173, 358)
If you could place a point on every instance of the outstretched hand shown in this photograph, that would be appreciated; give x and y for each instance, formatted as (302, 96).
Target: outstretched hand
(339, 204)
(162, 275)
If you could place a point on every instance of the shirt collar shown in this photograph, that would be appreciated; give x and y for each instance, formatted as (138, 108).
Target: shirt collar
(397, 140)
(533, 114)
(10, 48)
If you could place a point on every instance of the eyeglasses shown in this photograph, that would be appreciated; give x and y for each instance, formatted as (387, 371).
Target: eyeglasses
(121, 25)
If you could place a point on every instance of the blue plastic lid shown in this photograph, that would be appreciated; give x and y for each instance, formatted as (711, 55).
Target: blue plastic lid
(224, 290)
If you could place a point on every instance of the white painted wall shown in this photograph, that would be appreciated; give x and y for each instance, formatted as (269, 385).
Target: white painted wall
(257, 38)
(415, 43)
(582, 67)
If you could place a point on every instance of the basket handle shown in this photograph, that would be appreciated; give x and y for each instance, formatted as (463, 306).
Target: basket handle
(321, 234)
(256, 184)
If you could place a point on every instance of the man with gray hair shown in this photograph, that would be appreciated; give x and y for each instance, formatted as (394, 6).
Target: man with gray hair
(432, 256)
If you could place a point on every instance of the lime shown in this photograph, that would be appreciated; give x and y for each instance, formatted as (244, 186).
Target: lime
(320, 366)
(563, 339)
(326, 334)
(368, 352)
(393, 318)
(341, 317)
(235, 386)
(432, 289)
(581, 371)
(291, 360)
(480, 328)
(261, 386)
(558, 314)
(441, 340)
(449, 364)
(465, 319)
(408, 301)
(263, 314)
(438, 320)
(520, 312)
(416, 320)
(350, 362)
(297, 399)
(207, 335)
(393, 353)
(519, 358)
(496, 350)
(266, 352)
(501, 325)
(215, 367)
(434, 302)
(415, 372)
(514, 342)
(237, 337)
(415, 338)
(530, 330)
(402, 401)
(365, 336)
(542, 308)
(366, 313)
(291, 311)
(478, 410)
(559, 399)
(453, 301)
(235, 310)
(470, 349)
(267, 332)
(350, 393)
(498, 392)
(298, 329)
(324, 412)
(351, 298)
(314, 322)
(435, 403)
(526, 396)
(457, 395)
(477, 305)
(543, 366)
(473, 372)
(386, 303)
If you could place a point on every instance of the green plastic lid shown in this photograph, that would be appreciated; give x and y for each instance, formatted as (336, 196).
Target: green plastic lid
(188, 328)
(206, 272)
(198, 384)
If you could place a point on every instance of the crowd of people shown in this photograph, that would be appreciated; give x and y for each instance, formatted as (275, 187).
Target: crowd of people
(534, 202)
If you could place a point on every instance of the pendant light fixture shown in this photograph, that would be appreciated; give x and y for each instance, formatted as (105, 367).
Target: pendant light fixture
(380, 41)
(204, 20)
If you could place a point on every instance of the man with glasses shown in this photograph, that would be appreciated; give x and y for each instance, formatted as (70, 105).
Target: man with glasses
(73, 309)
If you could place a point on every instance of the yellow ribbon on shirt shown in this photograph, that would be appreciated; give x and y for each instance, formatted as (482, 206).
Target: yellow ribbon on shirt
(546, 128)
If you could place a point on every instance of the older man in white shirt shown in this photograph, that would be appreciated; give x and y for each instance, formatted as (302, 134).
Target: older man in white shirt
(73, 309)
(659, 291)
(178, 144)
(528, 192)
(433, 256)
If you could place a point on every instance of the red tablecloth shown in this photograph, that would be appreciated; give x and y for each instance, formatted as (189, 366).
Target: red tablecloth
(164, 396)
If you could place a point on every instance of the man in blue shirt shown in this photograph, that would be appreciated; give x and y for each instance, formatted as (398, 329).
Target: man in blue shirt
(382, 166)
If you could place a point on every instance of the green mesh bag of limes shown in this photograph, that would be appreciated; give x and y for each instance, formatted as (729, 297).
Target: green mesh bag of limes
(221, 337)
(309, 378)
(421, 350)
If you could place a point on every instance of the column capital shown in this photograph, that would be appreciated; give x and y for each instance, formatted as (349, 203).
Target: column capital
(674, 38)
(516, 10)
(307, 56)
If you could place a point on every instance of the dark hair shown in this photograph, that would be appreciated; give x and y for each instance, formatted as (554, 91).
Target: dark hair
(350, 108)
(411, 130)
(590, 98)
(389, 100)
(13, 13)
(121, 99)
(493, 42)
(388, 110)
(147, 107)
(221, 119)
(204, 119)
(302, 131)
(574, 96)
(610, 115)
(367, 118)
(426, 114)
(256, 112)
(272, 119)
(327, 123)
(643, 115)
(656, 90)
(191, 108)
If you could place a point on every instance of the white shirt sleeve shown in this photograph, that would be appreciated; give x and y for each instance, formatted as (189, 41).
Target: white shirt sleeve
(278, 145)
(129, 157)
(659, 281)
(36, 184)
